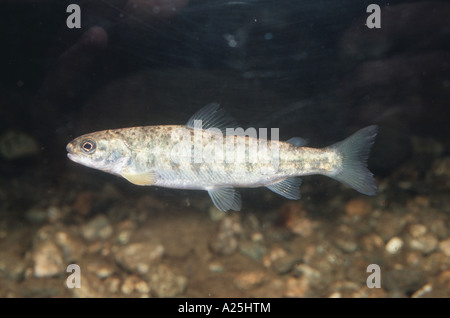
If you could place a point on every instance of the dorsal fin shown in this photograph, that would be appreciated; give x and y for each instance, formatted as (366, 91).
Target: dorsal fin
(212, 116)
(297, 141)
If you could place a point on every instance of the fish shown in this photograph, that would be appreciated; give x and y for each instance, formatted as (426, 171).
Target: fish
(212, 152)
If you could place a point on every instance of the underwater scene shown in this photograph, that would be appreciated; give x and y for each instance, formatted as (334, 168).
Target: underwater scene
(225, 149)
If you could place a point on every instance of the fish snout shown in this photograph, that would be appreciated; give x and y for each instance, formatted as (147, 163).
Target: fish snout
(69, 147)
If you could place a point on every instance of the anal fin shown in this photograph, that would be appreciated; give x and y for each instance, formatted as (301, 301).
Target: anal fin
(226, 198)
(288, 188)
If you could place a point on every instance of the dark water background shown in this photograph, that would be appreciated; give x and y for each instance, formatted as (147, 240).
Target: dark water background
(311, 68)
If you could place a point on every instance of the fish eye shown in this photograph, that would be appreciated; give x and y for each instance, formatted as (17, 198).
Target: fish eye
(88, 146)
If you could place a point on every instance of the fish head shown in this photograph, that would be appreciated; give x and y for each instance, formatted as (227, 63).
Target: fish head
(101, 150)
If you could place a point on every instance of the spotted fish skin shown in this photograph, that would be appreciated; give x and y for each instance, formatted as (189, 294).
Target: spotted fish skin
(189, 157)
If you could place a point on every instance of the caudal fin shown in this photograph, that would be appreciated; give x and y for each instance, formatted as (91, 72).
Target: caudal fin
(355, 152)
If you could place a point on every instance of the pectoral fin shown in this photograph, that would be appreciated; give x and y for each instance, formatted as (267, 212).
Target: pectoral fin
(288, 188)
(226, 198)
(146, 178)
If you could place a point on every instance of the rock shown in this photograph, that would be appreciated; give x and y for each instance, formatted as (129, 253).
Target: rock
(405, 281)
(253, 250)
(48, 259)
(36, 215)
(139, 257)
(226, 240)
(312, 275)
(444, 246)
(346, 244)
(417, 230)
(12, 265)
(215, 267)
(294, 217)
(98, 228)
(83, 203)
(358, 207)
(345, 289)
(134, 284)
(215, 214)
(296, 287)
(345, 240)
(101, 268)
(274, 254)
(426, 243)
(165, 283)
(439, 173)
(249, 280)
(444, 278)
(372, 242)
(70, 245)
(125, 230)
(91, 286)
(394, 245)
(285, 264)
(390, 225)
(425, 289)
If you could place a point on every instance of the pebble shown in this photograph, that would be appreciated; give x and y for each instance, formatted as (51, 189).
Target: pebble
(372, 242)
(296, 287)
(274, 254)
(358, 207)
(285, 264)
(444, 246)
(91, 286)
(165, 283)
(225, 241)
(138, 257)
(101, 268)
(440, 172)
(426, 243)
(344, 289)
(36, 215)
(389, 225)
(253, 250)
(12, 265)
(215, 214)
(312, 275)
(417, 230)
(125, 230)
(444, 278)
(394, 245)
(83, 203)
(425, 289)
(249, 280)
(133, 284)
(98, 228)
(70, 245)
(215, 267)
(345, 240)
(302, 226)
(405, 281)
(48, 259)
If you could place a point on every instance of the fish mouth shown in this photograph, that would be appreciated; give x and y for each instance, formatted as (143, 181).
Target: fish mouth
(69, 148)
(70, 153)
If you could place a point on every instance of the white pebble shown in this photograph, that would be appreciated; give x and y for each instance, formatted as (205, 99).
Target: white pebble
(394, 245)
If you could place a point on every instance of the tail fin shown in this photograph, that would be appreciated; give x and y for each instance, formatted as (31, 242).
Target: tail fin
(355, 152)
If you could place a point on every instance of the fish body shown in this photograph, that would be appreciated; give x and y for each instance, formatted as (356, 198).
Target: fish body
(205, 157)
